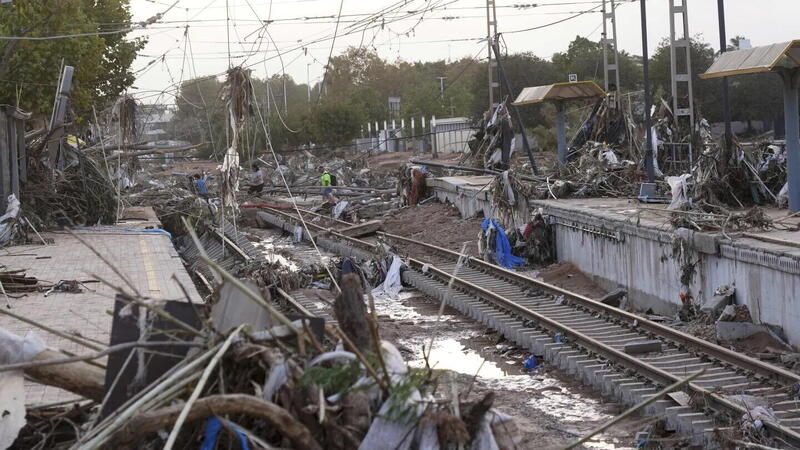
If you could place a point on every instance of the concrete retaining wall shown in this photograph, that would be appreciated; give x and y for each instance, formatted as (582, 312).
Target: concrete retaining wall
(645, 262)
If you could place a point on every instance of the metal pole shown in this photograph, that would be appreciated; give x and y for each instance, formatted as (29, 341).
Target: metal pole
(561, 132)
(790, 111)
(726, 107)
(514, 111)
(491, 35)
(308, 83)
(648, 153)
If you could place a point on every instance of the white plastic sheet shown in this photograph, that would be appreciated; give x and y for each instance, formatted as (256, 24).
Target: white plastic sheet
(679, 186)
(392, 285)
(339, 208)
(12, 395)
(14, 349)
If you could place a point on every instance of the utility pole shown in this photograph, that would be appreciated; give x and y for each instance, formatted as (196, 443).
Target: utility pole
(308, 83)
(513, 109)
(610, 45)
(648, 153)
(726, 107)
(285, 104)
(491, 35)
(441, 85)
(681, 76)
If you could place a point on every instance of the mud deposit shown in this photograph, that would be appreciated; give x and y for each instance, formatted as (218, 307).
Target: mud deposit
(550, 409)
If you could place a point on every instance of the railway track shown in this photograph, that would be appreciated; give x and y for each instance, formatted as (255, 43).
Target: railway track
(588, 338)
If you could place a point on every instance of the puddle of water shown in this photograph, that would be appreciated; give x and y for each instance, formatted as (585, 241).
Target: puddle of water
(450, 354)
(562, 404)
(397, 308)
(273, 243)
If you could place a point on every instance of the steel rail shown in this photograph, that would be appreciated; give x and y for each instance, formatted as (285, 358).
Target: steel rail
(768, 371)
(611, 354)
(647, 370)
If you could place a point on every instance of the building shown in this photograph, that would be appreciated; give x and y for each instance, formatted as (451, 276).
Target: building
(153, 122)
(451, 135)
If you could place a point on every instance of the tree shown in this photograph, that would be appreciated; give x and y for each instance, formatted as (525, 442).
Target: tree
(102, 63)
(201, 114)
(755, 96)
(335, 123)
(584, 57)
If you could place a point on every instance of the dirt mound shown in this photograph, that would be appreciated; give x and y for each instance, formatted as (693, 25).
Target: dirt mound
(435, 223)
(567, 276)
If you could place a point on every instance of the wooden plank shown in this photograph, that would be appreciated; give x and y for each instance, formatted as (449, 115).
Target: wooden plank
(362, 229)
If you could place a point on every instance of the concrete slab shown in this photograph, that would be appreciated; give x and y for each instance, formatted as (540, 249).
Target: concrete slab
(733, 331)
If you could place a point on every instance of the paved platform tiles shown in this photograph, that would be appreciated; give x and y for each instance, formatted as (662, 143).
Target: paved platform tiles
(147, 259)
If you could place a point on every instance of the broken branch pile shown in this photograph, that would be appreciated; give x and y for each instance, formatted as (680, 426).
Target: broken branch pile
(80, 192)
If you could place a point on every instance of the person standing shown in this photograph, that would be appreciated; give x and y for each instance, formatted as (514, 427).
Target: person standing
(201, 190)
(200, 186)
(326, 181)
(256, 180)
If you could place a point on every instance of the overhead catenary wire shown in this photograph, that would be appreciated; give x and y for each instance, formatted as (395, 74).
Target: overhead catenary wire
(291, 195)
(330, 54)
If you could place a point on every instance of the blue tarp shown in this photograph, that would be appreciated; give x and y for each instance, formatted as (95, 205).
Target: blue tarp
(213, 427)
(503, 255)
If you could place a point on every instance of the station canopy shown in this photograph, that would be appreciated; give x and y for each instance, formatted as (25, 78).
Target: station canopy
(762, 59)
(575, 90)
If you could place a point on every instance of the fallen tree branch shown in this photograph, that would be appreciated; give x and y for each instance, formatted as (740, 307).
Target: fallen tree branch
(75, 376)
(156, 151)
(53, 361)
(277, 418)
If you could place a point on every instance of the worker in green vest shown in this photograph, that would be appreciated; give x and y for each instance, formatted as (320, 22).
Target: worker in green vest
(325, 179)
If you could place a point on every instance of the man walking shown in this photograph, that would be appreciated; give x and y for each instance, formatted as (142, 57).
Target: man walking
(256, 180)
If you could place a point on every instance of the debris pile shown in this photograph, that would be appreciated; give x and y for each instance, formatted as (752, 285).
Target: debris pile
(610, 126)
(492, 144)
(285, 386)
(78, 192)
(721, 181)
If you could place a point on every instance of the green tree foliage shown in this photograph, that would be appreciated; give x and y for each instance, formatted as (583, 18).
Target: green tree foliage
(29, 69)
(752, 97)
(756, 96)
(201, 114)
(584, 57)
(359, 83)
(335, 123)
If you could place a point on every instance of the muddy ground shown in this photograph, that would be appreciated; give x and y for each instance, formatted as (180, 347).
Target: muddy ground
(550, 409)
(435, 223)
(566, 275)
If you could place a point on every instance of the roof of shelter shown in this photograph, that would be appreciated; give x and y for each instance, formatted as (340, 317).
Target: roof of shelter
(575, 90)
(755, 60)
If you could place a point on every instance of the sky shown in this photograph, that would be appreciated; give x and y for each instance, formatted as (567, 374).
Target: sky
(298, 41)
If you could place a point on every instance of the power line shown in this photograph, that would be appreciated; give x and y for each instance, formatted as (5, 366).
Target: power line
(330, 54)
